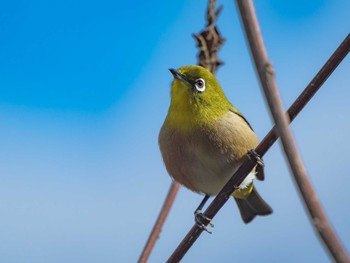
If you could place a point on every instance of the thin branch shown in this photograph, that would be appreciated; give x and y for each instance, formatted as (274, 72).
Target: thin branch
(311, 89)
(263, 147)
(174, 187)
(267, 80)
(209, 42)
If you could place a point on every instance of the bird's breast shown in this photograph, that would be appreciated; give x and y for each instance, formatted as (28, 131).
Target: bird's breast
(205, 158)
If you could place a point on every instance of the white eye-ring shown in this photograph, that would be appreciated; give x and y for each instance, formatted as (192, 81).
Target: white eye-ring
(200, 85)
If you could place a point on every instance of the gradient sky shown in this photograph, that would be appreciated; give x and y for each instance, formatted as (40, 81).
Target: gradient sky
(84, 89)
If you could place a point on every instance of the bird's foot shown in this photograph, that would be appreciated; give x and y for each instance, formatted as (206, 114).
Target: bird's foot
(253, 155)
(202, 221)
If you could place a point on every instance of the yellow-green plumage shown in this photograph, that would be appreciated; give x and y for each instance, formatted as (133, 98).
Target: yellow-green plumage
(204, 139)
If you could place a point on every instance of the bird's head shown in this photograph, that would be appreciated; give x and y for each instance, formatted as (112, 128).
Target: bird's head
(196, 95)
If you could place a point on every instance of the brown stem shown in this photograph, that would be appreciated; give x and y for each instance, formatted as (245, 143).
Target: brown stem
(174, 187)
(267, 80)
(209, 42)
(263, 147)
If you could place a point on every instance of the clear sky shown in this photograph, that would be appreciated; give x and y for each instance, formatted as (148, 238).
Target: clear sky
(84, 89)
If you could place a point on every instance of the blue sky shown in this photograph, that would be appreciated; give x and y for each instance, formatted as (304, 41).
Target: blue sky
(84, 89)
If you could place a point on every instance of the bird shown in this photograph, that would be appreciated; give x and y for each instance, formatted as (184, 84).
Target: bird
(204, 140)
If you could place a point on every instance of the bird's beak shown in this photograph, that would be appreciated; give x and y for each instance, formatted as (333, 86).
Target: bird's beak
(179, 76)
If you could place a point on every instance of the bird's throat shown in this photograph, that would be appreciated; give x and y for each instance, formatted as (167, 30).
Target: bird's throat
(181, 117)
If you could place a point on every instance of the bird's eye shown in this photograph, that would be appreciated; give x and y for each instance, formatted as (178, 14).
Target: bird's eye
(200, 85)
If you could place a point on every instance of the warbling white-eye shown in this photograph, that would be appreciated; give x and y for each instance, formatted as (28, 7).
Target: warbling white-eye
(204, 140)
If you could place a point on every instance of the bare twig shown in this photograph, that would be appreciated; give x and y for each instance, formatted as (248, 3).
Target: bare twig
(311, 89)
(268, 83)
(174, 187)
(209, 42)
(262, 148)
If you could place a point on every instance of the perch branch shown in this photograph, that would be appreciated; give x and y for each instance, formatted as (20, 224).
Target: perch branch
(263, 147)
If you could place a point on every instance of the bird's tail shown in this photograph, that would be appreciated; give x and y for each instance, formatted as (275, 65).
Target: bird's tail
(253, 205)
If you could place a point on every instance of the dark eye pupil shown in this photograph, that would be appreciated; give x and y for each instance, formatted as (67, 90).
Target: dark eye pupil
(200, 83)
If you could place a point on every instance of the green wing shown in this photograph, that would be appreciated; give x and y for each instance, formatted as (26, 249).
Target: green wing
(236, 111)
(259, 169)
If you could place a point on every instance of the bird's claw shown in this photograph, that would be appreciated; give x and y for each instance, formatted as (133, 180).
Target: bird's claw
(202, 221)
(252, 154)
